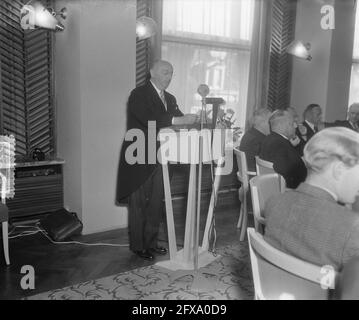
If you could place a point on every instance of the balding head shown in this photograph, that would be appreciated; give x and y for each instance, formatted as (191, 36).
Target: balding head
(282, 122)
(353, 112)
(161, 74)
(261, 120)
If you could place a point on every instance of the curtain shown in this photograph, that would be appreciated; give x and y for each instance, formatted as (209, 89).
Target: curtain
(209, 41)
(259, 60)
(354, 81)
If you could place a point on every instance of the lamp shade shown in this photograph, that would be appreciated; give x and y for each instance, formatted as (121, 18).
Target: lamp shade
(300, 50)
(146, 27)
(44, 19)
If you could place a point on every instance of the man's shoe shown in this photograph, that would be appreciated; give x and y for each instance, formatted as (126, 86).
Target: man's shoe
(159, 250)
(145, 254)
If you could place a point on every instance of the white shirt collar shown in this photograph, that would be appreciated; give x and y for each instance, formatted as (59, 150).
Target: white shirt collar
(311, 125)
(282, 135)
(158, 91)
(335, 197)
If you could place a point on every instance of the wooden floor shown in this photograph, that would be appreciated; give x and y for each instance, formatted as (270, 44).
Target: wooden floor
(57, 266)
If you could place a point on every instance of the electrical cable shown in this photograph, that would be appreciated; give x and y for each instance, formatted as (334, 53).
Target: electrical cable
(38, 229)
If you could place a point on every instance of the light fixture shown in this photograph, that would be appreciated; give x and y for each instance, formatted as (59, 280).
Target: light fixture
(40, 17)
(146, 27)
(300, 50)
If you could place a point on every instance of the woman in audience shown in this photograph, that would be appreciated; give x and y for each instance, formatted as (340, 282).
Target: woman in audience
(308, 222)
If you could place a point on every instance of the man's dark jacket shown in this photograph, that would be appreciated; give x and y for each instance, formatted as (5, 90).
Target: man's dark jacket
(286, 159)
(251, 145)
(144, 104)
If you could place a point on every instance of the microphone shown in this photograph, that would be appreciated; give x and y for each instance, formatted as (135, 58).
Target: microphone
(203, 90)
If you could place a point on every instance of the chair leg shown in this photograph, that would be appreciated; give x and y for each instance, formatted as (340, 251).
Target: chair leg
(244, 220)
(244, 226)
(5, 240)
(240, 217)
(241, 212)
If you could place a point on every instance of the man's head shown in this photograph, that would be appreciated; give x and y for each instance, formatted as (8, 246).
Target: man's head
(161, 74)
(282, 122)
(260, 120)
(353, 113)
(313, 114)
(332, 159)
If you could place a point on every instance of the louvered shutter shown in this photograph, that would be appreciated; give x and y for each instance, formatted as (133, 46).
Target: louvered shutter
(26, 93)
(283, 30)
(143, 47)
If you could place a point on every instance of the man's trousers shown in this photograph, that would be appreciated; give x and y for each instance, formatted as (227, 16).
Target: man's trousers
(146, 212)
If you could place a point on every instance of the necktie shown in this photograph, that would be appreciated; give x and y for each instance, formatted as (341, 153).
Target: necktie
(162, 95)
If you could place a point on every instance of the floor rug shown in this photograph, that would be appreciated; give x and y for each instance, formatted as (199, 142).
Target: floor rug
(229, 276)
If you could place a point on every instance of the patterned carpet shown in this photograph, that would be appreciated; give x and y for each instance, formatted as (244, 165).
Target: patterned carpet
(227, 278)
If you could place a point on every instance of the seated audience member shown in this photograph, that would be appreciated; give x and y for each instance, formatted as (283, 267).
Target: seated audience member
(308, 222)
(276, 148)
(312, 121)
(300, 131)
(348, 283)
(352, 118)
(252, 139)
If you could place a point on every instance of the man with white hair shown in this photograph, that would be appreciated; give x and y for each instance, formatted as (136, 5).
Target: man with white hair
(352, 118)
(140, 185)
(308, 222)
(252, 140)
(277, 148)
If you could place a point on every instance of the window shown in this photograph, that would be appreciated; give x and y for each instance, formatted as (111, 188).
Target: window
(354, 82)
(209, 41)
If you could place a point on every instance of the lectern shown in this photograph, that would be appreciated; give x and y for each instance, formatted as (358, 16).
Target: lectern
(182, 146)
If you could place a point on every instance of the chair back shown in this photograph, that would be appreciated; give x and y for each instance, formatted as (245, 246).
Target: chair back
(262, 188)
(280, 276)
(263, 166)
(243, 173)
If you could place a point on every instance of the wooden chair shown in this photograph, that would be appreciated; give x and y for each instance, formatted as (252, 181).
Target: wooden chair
(280, 276)
(263, 166)
(262, 188)
(4, 217)
(243, 176)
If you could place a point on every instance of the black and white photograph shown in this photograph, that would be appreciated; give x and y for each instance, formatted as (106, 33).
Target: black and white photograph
(179, 155)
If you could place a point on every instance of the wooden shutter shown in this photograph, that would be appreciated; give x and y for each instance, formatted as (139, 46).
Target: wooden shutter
(26, 92)
(143, 47)
(280, 69)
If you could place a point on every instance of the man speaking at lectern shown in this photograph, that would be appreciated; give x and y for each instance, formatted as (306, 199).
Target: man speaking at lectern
(141, 185)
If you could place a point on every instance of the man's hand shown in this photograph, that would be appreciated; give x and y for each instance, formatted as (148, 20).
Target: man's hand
(295, 141)
(188, 118)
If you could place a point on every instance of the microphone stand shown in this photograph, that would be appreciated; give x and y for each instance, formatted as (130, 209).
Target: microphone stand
(199, 186)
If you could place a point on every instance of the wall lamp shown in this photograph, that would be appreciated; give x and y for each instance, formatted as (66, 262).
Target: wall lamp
(300, 50)
(146, 27)
(35, 15)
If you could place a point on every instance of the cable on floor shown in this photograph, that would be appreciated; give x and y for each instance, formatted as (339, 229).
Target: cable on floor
(38, 229)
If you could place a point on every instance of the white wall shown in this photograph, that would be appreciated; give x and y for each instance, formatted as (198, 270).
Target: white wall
(310, 79)
(95, 71)
(324, 80)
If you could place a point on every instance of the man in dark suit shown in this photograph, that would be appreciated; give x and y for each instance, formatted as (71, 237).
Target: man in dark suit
(352, 118)
(252, 140)
(278, 149)
(308, 222)
(312, 121)
(140, 184)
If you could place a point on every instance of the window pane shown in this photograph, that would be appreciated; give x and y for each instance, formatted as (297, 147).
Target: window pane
(354, 84)
(228, 20)
(224, 71)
